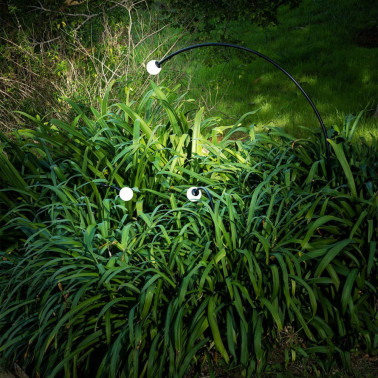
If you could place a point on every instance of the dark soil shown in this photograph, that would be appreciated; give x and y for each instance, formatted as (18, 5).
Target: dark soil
(368, 37)
(363, 366)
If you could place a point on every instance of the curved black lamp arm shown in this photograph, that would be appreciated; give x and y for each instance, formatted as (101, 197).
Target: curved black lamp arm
(109, 186)
(159, 63)
(196, 192)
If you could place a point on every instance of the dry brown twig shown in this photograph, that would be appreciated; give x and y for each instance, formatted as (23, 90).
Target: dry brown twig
(37, 83)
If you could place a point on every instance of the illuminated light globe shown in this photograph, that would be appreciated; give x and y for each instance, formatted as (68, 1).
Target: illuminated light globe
(126, 194)
(191, 196)
(152, 68)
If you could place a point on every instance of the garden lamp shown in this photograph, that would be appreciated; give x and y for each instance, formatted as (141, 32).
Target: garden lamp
(154, 67)
(126, 193)
(194, 194)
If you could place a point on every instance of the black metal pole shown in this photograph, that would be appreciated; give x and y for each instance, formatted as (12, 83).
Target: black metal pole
(196, 192)
(159, 63)
(109, 186)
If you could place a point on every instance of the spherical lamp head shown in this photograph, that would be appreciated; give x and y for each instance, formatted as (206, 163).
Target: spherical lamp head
(193, 194)
(126, 194)
(153, 68)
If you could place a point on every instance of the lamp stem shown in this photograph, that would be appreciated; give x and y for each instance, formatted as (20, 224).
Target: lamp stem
(109, 186)
(209, 195)
(159, 63)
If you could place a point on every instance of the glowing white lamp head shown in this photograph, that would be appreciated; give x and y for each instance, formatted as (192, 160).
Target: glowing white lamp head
(126, 194)
(152, 68)
(193, 197)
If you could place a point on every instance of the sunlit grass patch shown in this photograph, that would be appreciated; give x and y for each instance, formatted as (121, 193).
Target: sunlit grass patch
(316, 44)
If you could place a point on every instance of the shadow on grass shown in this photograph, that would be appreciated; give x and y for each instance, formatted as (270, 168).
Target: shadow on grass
(314, 45)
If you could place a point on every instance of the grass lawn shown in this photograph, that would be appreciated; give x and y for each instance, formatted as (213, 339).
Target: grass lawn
(319, 43)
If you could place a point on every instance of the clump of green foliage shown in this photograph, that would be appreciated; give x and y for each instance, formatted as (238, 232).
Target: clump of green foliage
(160, 286)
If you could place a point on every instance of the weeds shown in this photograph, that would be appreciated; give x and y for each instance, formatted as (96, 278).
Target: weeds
(70, 62)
